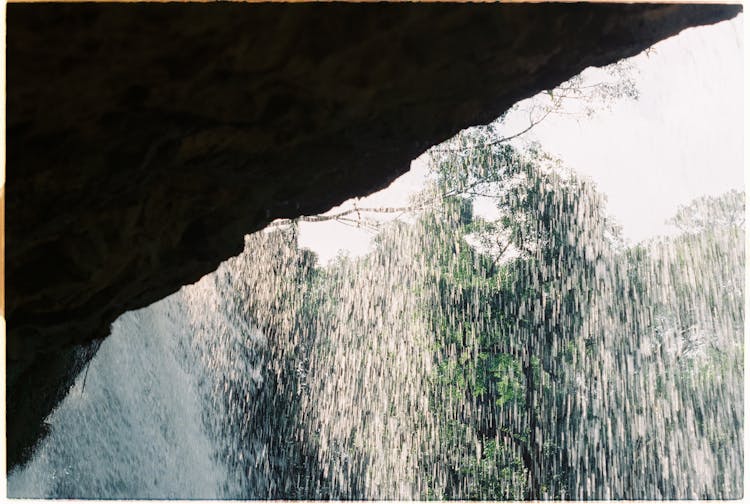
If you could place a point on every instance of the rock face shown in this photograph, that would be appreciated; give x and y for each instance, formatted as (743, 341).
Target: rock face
(144, 140)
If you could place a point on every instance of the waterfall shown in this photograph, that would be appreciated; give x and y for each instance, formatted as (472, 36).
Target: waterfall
(533, 356)
(131, 426)
(187, 398)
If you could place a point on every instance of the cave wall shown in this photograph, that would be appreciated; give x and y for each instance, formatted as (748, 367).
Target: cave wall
(144, 140)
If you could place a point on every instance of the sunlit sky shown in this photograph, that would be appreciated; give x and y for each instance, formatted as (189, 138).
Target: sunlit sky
(682, 138)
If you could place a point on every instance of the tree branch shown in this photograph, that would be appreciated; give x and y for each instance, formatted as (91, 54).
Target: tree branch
(342, 215)
(531, 125)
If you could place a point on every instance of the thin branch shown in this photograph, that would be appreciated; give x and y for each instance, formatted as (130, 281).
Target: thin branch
(484, 195)
(531, 125)
(338, 216)
(496, 261)
(360, 223)
(318, 218)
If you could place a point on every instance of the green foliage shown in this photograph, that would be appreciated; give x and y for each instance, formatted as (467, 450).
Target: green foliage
(708, 213)
(525, 349)
(528, 314)
(487, 356)
(510, 385)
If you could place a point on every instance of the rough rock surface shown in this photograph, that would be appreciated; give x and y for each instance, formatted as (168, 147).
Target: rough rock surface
(144, 140)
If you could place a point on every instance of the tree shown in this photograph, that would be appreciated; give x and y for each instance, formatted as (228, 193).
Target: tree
(711, 212)
(530, 356)
(514, 328)
(485, 364)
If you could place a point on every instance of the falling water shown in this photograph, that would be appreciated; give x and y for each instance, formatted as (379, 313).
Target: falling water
(130, 423)
(531, 356)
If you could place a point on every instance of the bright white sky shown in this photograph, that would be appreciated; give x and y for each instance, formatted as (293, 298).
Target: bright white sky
(681, 139)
